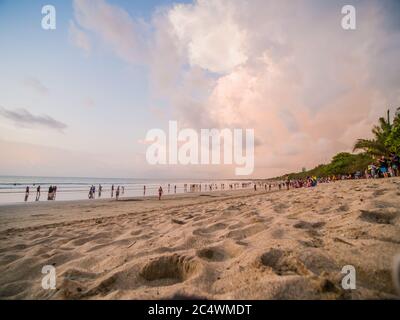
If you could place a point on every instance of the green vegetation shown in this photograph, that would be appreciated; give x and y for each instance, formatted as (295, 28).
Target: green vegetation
(386, 140)
(342, 163)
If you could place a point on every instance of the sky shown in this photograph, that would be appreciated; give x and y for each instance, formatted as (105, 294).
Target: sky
(79, 100)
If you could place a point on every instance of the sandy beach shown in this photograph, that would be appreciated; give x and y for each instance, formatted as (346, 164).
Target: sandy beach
(222, 245)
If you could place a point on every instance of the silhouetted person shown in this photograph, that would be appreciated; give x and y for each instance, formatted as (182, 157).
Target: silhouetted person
(37, 193)
(50, 193)
(54, 193)
(26, 194)
(160, 192)
(117, 193)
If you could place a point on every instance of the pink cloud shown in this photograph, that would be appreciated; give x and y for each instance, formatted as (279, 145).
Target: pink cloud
(288, 70)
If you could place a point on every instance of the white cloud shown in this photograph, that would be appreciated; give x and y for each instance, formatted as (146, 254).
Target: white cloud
(119, 32)
(286, 69)
(209, 34)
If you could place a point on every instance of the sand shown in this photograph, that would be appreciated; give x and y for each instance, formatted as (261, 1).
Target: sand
(222, 245)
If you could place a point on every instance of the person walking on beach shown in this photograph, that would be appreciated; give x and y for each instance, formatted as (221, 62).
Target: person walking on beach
(50, 193)
(395, 160)
(112, 191)
(54, 193)
(26, 194)
(160, 192)
(100, 189)
(123, 189)
(175, 189)
(144, 191)
(117, 194)
(37, 193)
(90, 195)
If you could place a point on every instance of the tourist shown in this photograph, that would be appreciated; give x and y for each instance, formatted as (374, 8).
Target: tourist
(160, 192)
(117, 193)
(26, 194)
(54, 193)
(50, 193)
(383, 166)
(37, 193)
(395, 162)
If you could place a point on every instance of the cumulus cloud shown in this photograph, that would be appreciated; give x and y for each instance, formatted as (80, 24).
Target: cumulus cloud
(286, 69)
(23, 118)
(209, 35)
(114, 26)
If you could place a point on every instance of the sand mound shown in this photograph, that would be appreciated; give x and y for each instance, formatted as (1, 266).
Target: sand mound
(380, 217)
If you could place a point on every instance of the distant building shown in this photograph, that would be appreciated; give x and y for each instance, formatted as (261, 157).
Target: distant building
(303, 169)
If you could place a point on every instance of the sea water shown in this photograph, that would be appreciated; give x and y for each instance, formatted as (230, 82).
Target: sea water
(12, 188)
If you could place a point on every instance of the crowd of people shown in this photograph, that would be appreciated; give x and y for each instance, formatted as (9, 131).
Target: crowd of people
(51, 194)
(384, 167)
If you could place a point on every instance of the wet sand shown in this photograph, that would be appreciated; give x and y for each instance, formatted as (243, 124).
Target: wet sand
(221, 245)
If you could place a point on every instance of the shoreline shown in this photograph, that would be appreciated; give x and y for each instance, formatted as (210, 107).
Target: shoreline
(151, 202)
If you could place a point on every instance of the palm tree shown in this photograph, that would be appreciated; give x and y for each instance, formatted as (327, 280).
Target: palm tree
(376, 146)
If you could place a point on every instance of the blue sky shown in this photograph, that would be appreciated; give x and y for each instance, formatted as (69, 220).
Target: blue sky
(78, 100)
(89, 94)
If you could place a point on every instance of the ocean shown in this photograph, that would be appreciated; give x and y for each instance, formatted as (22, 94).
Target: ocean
(12, 188)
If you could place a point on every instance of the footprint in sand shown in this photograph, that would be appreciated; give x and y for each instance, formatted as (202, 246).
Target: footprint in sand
(136, 232)
(283, 263)
(309, 225)
(168, 270)
(210, 229)
(343, 208)
(219, 253)
(243, 233)
(379, 192)
(315, 242)
(76, 282)
(379, 217)
(280, 208)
